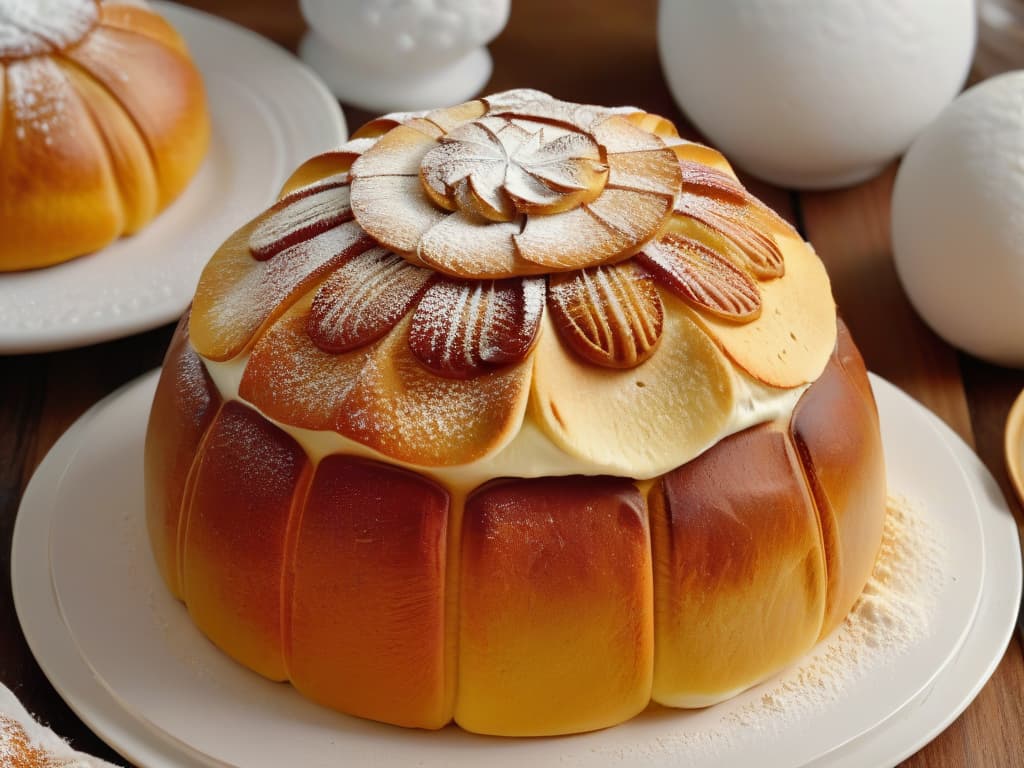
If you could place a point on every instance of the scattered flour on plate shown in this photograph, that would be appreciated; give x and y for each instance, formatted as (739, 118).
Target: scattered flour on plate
(890, 618)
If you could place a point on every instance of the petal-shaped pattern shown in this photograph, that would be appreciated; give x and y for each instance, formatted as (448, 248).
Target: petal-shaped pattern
(381, 125)
(449, 118)
(636, 215)
(572, 162)
(291, 380)
(610, 315)
(528, 192)
(394, 211)
(526, 102)
(617, 134)
(469, 247)
(238, 294)
(595, 232)
(648, 171)
(761, 254)
(364, 299)
(464, 329)
(791, 341)
(701, 277)
(636, 422)
(570, 240)
(336, 162)
(401, 409)
(720, 202)
(652, 123)
(300, 216)
(481, 195)
(399, 151)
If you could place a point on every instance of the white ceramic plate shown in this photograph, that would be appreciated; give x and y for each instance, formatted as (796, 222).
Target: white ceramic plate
(131, 664)
(269, 114)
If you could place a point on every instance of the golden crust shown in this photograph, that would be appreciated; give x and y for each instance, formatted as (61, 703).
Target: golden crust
(99, 138)
(499, 610)
(619, 312)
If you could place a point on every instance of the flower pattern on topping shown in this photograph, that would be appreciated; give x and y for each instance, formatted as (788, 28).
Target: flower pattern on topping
(440, 247)
(497, 170)
(568, 187)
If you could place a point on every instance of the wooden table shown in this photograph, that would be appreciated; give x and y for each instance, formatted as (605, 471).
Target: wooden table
(599, 52)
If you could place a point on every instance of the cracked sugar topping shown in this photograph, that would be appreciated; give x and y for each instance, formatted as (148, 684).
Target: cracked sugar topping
(35, 27)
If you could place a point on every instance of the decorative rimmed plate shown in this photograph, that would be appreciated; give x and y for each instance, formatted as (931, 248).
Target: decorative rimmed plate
(269, 114)
(126, 657)
(1014, 445)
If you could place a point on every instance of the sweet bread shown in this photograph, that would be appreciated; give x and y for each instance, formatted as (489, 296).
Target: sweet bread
(103, 124)
(520, 414)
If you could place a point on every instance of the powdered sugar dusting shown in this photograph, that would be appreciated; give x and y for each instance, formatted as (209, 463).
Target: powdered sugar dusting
(702, 277)
(261, 289)
(364, 299)
(610, 315)
(38, 93)
(399, 409)
(648, 171)
(890, 617)
(299, 217)
(462, 329)
(525, 102)
(495, 167)
(637, 215)
(33, 27)
(394, 210)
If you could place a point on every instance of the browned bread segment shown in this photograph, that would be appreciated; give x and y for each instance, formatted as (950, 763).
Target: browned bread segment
(555, 616)
(366, 593)
(249, 480)
(739, 578)
(183, 408)
(835, 428)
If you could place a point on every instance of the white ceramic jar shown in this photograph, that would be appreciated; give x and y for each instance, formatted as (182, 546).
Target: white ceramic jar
(386, 55)
(814, 93)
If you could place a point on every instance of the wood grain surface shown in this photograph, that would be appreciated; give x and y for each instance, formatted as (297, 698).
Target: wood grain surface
(602, 52)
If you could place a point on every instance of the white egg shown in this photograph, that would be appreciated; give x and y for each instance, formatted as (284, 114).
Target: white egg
(814, 93)
(958, 221)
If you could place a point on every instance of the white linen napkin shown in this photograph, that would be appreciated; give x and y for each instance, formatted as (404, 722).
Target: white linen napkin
(24, 742)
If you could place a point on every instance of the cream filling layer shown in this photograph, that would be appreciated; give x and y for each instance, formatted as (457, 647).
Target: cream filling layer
(529, 452)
